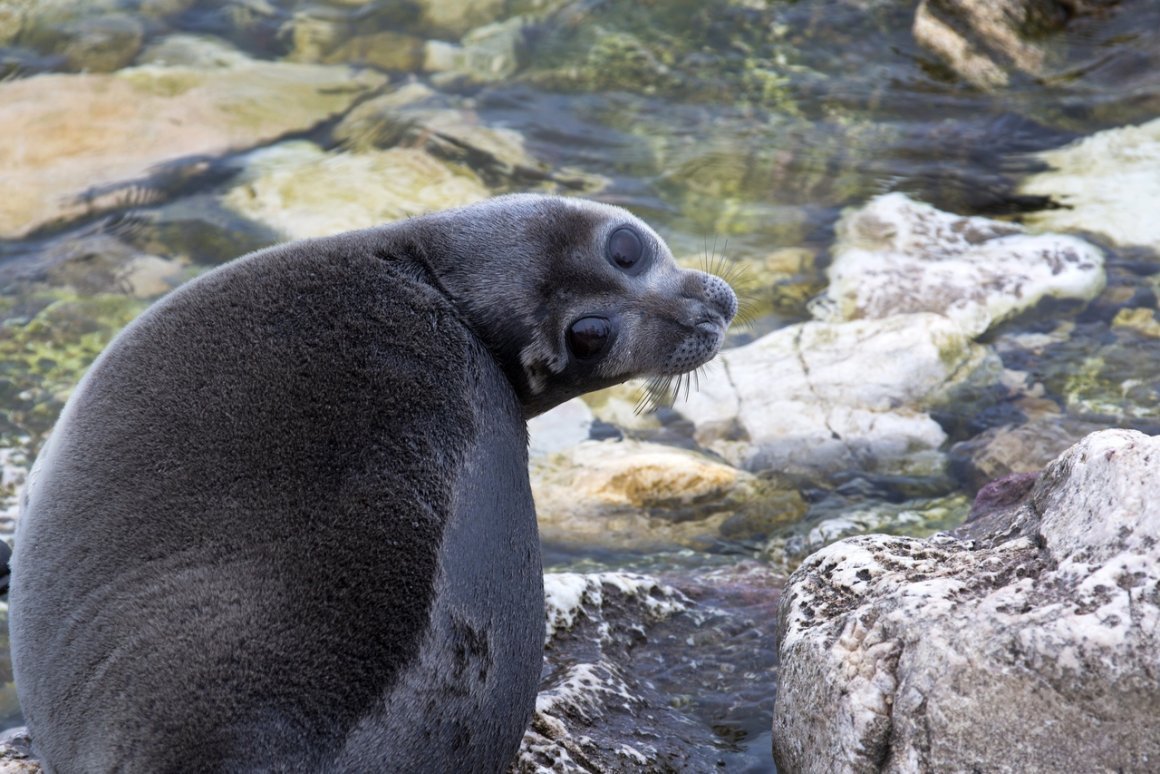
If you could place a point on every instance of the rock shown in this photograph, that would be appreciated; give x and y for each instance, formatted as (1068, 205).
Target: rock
(566, 425)
(1106, 184)
(898, 256)
(456, 17)
(89, 263)
(642, 676)
(141, 117)
(198, 52)
(821, 398)
(387, 50)
(1001, 451)
(104, 44)
(985, 41)
(1025, 640)
(919, 517)
(617, 405)
(16, 755)
(640, 496)
(47, 340)
(416, 116)
(485, 55)
(300, 190)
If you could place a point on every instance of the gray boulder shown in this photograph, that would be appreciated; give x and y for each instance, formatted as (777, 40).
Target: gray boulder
(1026, 640)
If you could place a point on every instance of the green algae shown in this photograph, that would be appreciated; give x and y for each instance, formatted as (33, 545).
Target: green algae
(47, 341)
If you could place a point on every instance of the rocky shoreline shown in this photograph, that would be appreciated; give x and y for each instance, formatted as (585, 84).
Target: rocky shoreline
(929, 314)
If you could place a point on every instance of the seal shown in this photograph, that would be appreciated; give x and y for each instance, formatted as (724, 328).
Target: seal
(284, 523)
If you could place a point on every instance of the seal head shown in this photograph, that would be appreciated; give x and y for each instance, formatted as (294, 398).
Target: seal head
(573, 296)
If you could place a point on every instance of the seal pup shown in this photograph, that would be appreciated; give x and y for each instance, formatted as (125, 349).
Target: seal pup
(284, 523)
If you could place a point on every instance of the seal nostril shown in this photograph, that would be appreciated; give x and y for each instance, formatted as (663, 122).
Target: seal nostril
(708, 326)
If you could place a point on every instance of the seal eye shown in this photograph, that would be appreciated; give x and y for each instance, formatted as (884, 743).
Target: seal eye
(625, 249)
(588, 336)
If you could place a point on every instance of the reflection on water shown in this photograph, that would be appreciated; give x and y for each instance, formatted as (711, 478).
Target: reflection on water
(742, 127)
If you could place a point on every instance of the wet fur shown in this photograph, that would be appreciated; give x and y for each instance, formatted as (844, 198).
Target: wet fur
(285, 523)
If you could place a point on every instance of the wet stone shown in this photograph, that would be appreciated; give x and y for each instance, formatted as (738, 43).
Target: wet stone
(1107, 184)
(654, 674)
(299, 190)
(819, 398)
(890, 646)
(139, 119)
(639, 496)
(898, 256)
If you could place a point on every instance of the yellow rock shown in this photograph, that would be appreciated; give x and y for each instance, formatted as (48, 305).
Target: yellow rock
(632, 494)
(1142, 320)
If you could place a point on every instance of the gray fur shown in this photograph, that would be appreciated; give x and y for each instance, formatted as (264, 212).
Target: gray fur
(285, 524)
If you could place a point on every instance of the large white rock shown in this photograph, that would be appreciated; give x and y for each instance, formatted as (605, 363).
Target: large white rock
(898, 256)
(1109, 184)
(826, 397)
(1025, 640)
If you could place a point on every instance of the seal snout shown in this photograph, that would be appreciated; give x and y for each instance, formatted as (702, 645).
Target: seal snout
(720, 296)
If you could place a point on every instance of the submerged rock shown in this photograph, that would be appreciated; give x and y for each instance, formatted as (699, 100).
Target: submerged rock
(637, 496)
(898, 256)
(417, 117)
(486, 54)
(987, 41)
(141, 117)
(1000, 451)
(1107, 184)
(1025, 640)
(91, 262)
(300, 190)
(828, 397)
(1109, 379)
(14, 465)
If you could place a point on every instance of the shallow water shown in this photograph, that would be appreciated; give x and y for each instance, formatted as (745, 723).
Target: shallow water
(733, 127)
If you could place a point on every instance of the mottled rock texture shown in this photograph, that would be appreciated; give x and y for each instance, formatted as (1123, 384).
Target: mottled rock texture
(1026, 640)
(1107, 183)
(827, 397)
(897, 256)
(640, 676)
